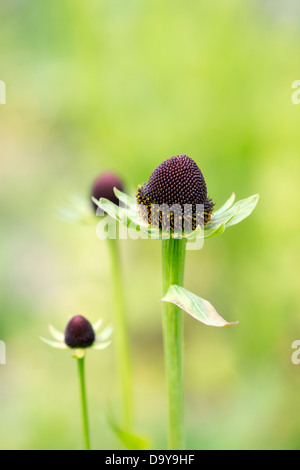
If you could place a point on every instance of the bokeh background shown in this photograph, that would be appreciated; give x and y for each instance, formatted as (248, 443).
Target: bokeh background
(122, 85)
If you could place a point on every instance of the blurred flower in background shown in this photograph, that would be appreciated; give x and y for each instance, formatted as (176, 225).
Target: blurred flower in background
(104, 186)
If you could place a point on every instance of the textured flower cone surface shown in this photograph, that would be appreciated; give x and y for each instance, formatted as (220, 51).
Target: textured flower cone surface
(178, 186)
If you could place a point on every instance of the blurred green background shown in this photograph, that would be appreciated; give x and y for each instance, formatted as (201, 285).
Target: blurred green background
(122, 85)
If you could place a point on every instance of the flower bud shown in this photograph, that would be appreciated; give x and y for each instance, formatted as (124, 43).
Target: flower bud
(104, 187)
(79, 333)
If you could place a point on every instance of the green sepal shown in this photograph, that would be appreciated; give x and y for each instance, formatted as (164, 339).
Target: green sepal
(227, 215)
(78, 353)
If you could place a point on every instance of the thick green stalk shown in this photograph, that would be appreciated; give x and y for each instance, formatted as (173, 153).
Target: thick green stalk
(173, 259)
(85, 424)
(121, 340)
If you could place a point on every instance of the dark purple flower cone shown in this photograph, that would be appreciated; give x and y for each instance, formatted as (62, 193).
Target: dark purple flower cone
(176, 181)
(79, 333)
(104, 187)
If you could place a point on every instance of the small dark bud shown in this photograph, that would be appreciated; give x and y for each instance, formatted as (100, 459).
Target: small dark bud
(176, 181)
(104, 187)
(79, 333)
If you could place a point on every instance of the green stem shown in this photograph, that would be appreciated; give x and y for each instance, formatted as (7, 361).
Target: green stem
(85, 424)
(173, 258)
(121, 340)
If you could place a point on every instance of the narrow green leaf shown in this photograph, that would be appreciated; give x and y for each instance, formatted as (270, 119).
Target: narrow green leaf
(130, 440)
(245, 208)
(224, 218)
(97, 325)
(234, 213)
(194, 234)
(129, 201)
(106, 334)
(109, 207)
(198, 308)
(121, 214)
(225, 206)
(54, 344)
(218, 230)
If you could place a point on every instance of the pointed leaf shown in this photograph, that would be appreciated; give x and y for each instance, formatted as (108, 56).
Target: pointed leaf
(109, 207)
(194, 234)
(106, 334)
(130, 440)
(245, 208)
(218, 230)
(127, 200)
(97, 325)
(234, 214)
(225, 206)
(198, 308)
(54, 344)
(224, 218)
(58, 335)
(121, 214)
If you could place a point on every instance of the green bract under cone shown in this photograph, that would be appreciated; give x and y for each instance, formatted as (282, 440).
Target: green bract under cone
(175, 195)
(229, 214)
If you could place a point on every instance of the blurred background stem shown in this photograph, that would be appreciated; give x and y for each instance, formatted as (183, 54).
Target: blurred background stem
(85, 424)
(173, 258)
(121, 340)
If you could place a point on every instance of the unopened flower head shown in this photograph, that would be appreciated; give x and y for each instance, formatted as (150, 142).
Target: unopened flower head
(79, 333)
(103, 187)
(79, 336)
(176, 182)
